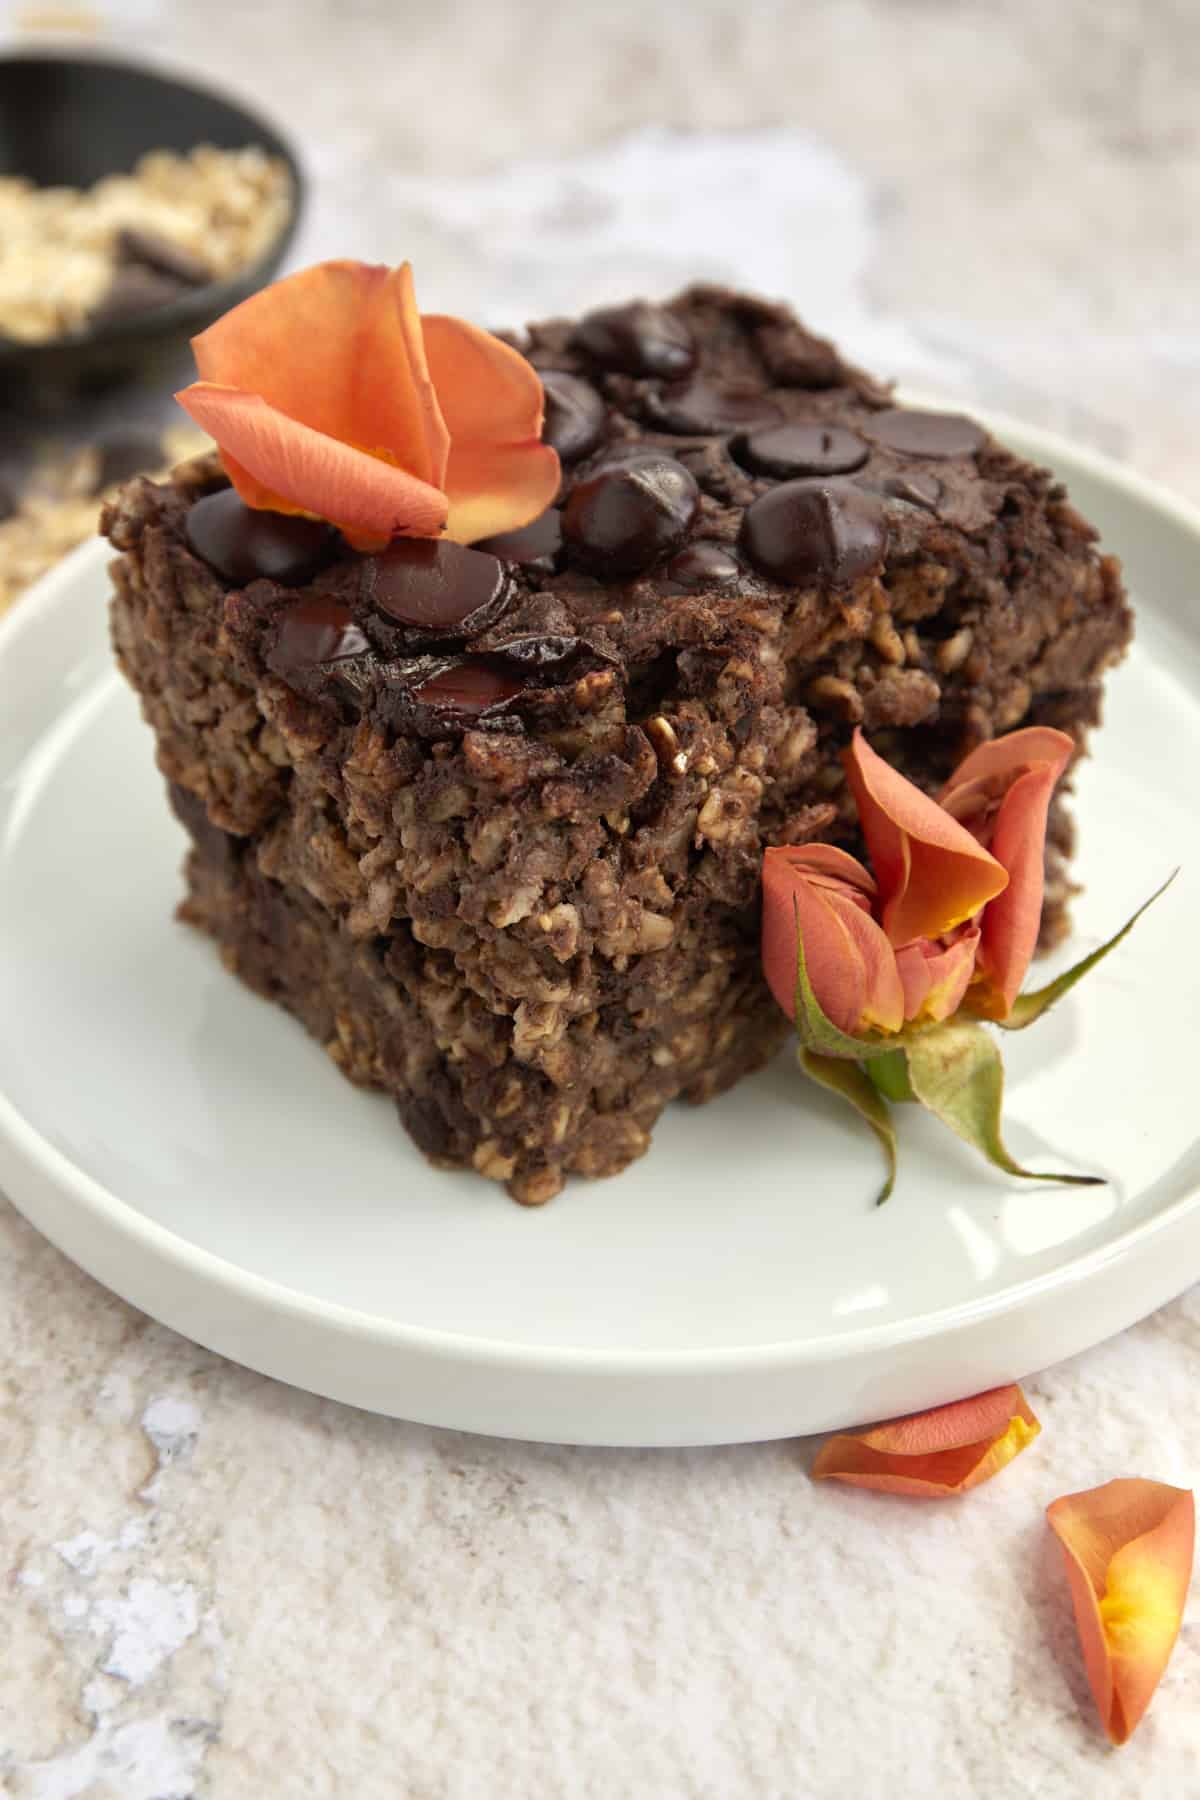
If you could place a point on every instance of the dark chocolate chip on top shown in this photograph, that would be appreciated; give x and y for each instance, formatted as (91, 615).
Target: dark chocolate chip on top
(433, 585)
(636, 340)
(575, 415)
(800, 448)
(830, 532)
(935, 434)
(709, 408)
(244, 544)
(536, 544)
(314, 632)
(627, 514)
(703, 564)
(467, 689)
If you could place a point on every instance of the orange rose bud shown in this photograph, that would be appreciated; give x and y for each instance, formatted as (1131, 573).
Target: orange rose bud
(323, 395)
(931, 1455)
(933, 875)
(1128, 1548)
(936, 976)
(824, 895)
(1001, 793)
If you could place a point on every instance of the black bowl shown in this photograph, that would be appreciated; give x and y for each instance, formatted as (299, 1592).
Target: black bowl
(71, 120)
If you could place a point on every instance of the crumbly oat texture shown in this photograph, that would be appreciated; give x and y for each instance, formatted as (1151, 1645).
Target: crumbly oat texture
(490, 822)
(174, 222)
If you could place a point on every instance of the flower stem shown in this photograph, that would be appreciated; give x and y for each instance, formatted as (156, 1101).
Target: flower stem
(890, 1075)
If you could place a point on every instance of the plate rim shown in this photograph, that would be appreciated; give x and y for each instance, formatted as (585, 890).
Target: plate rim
(43, 1160)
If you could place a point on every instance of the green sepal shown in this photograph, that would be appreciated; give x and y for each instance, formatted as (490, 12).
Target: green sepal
(1027, 1008)
(852, 1082)
(956, 1072)
(889, 1075)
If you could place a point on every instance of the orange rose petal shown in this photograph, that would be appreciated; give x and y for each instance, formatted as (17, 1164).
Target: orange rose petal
(827, 859)
(930, 1455)
(936, 976)
(339, 348)
(850, 963)
(500, 475)
(499, 487)
(287, 467)
(1128, 1548)
(1013, 920)
(932, 873)
(1002, 759)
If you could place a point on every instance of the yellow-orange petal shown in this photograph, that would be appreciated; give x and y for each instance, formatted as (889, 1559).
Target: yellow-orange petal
(930, 1455)
(1128, 1548)
(850, 963)
(339, 348)
(278, 464)
(499, 475)
(932, 874)
(936, 975)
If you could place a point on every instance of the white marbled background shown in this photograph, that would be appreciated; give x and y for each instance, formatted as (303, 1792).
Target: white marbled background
(214, 1586)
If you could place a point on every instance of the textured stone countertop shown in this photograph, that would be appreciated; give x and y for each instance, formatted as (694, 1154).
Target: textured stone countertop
(215, 1586)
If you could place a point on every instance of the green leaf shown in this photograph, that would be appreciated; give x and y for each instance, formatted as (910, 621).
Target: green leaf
(1029, 1007)
(957, 1073)
(855, 1085)
(817, 1031)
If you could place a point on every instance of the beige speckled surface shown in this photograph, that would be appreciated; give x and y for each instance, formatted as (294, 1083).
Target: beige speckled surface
(218, 1587)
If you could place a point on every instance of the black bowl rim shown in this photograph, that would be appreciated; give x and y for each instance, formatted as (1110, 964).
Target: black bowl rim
(215, 297)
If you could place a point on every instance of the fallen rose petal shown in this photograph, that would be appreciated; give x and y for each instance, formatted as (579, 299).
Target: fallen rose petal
(850, 963)
(932, 874)
(1128, 1548)
(931, 1455)
(499, 474)
(281, 466)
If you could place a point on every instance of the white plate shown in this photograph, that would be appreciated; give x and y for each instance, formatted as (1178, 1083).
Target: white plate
(191, 1148)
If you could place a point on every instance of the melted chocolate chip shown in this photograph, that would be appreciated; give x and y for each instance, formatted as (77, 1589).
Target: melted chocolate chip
(627, 514)
(575, 415)
(467, 689)
(637, 340)
(312, 634)
(542, 652)
(703, 564)
(786, 451)
(245, 545)
(804, 531)
(537, 543)
(433, 585)
(703, 407)
(917, 489)
(935, 434)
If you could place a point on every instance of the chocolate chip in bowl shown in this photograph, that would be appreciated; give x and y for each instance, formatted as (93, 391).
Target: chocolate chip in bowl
(169, 202)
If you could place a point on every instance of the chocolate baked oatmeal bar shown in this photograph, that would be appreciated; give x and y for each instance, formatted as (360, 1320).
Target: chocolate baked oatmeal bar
(490, 821)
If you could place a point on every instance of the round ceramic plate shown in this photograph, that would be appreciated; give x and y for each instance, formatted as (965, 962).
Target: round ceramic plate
(192, 1149)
